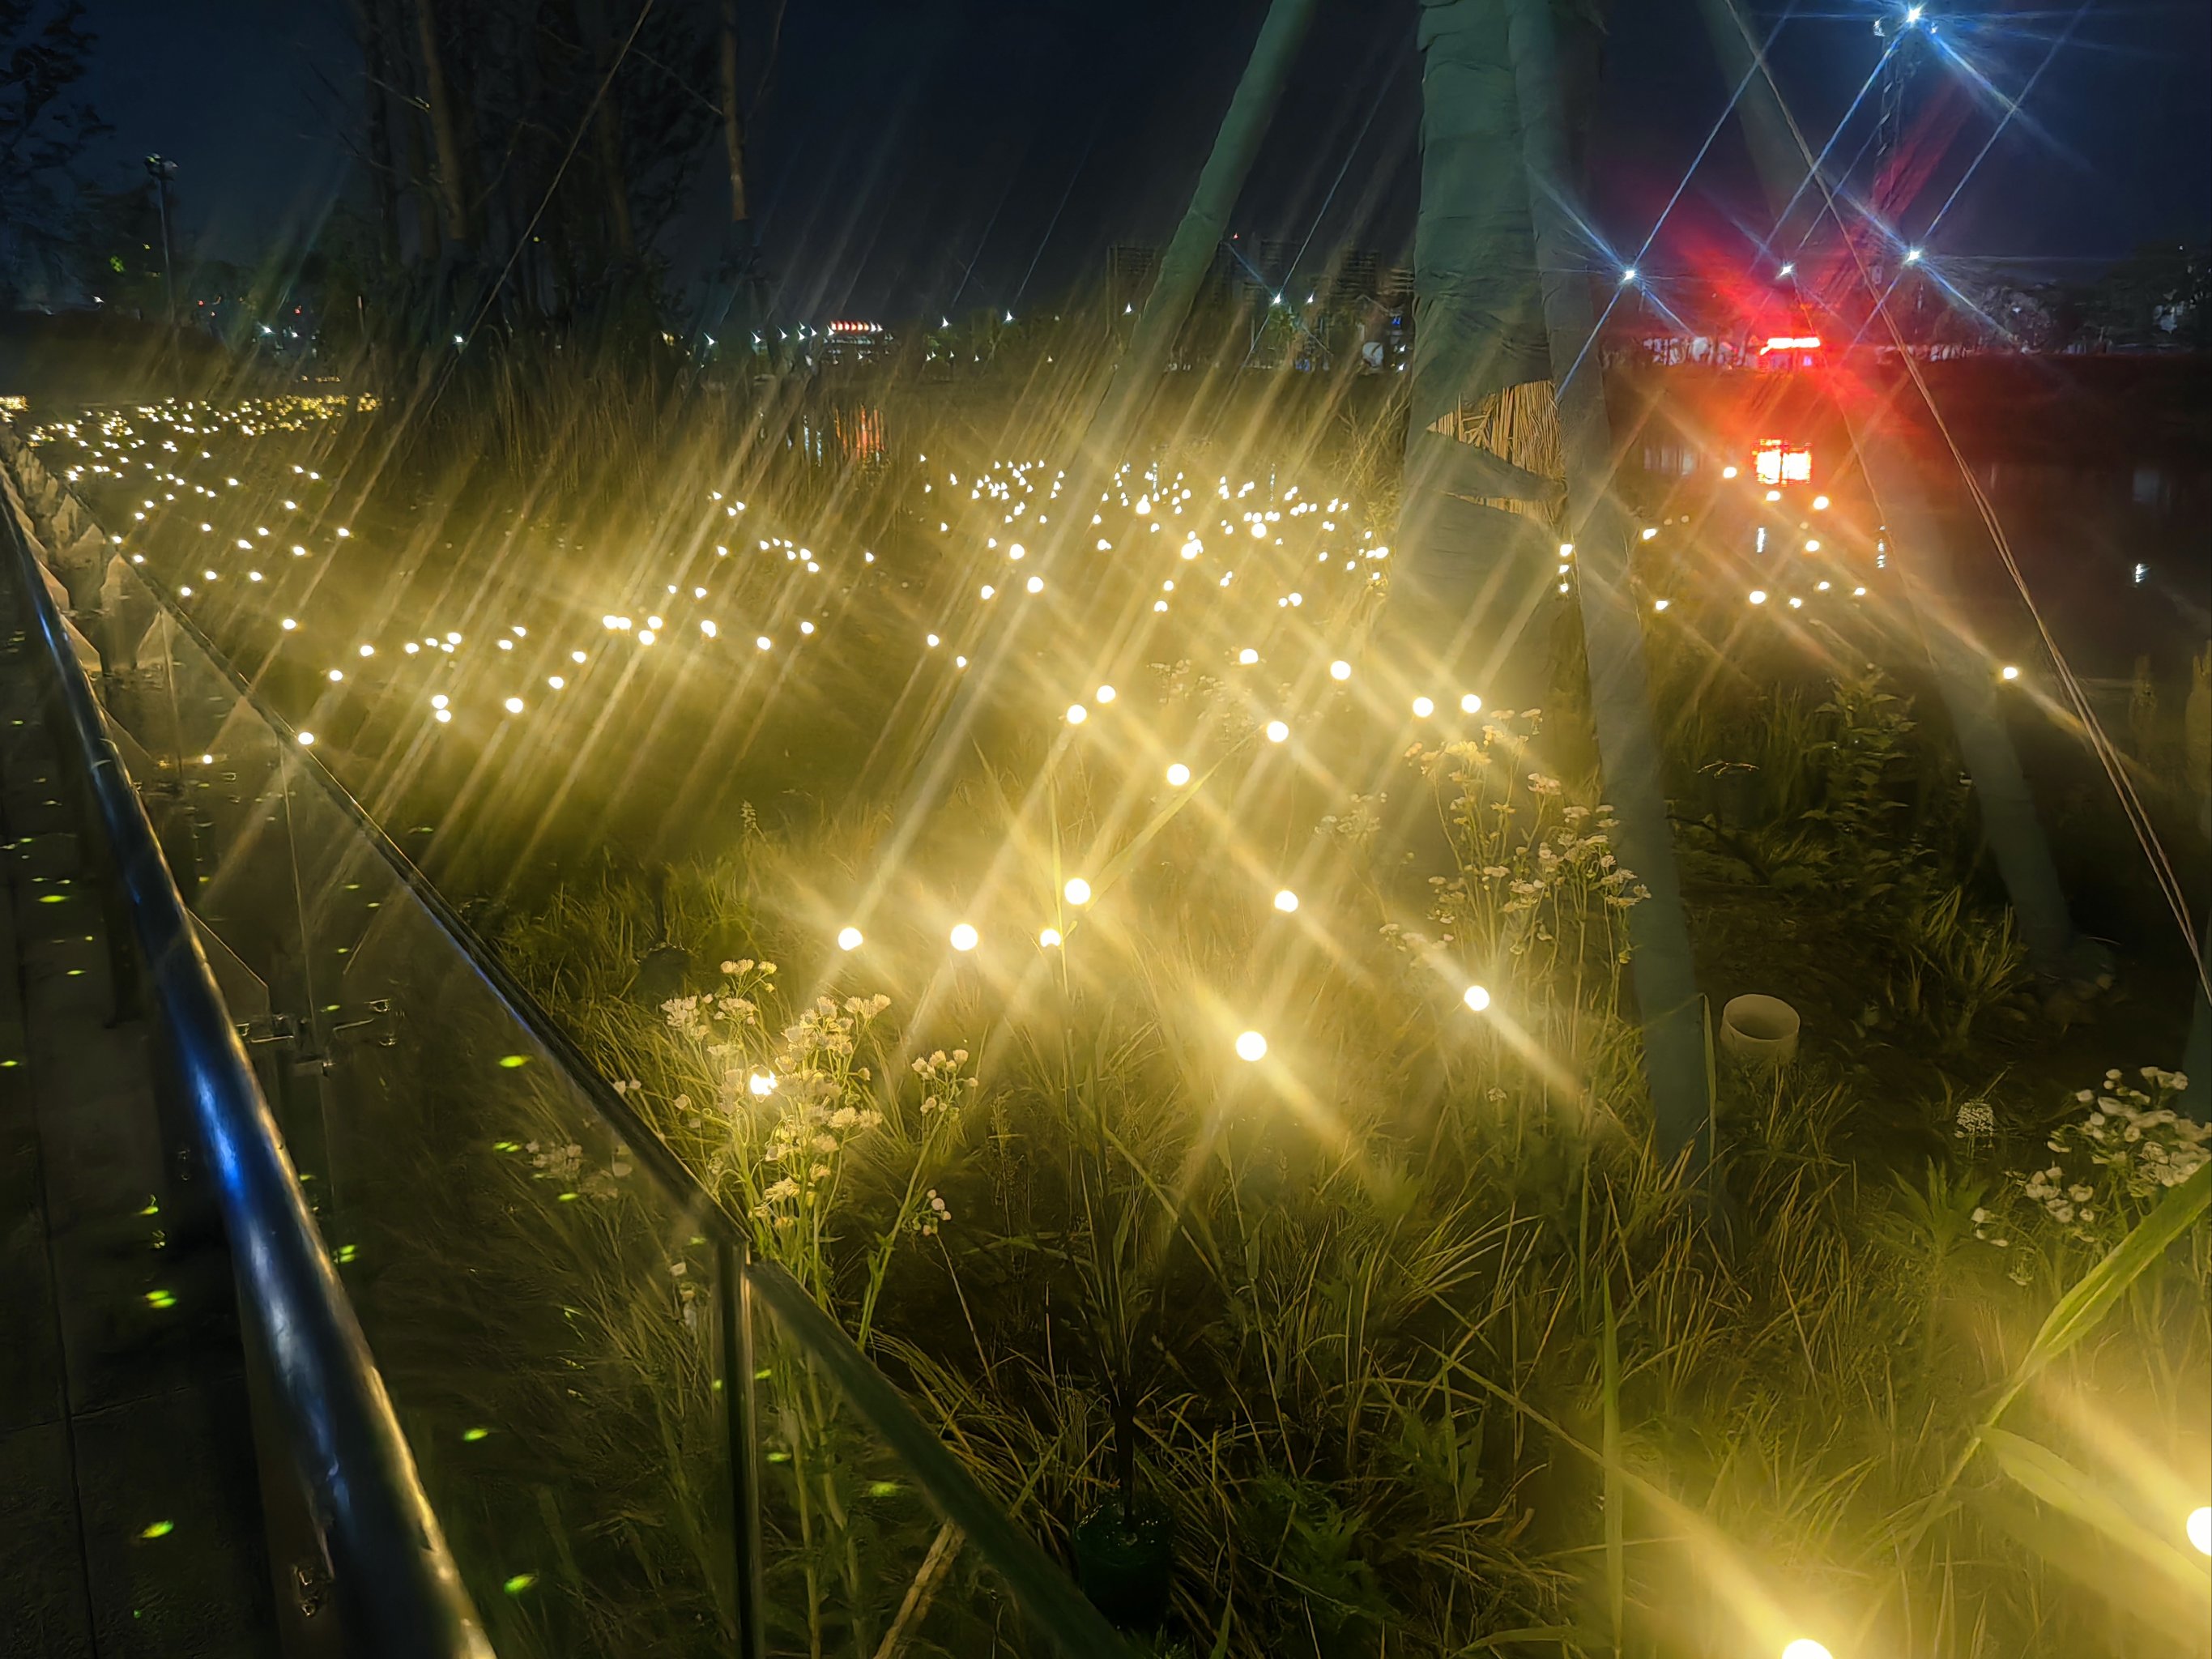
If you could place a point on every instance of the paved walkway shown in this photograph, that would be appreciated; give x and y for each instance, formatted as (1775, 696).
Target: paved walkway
(130, 1507)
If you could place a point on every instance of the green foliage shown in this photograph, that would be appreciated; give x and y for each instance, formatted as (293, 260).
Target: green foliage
(1453, 1367)
(45, 123)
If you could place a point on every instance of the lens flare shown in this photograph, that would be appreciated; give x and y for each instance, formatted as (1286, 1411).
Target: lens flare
(1475, 998)
(1251, 1046)
(1078, 890)
(848, 939)
(964, 938)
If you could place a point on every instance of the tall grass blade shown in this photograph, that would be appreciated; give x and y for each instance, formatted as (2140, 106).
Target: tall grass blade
(2050, 1480)
(2081, 1309)
(1616, 1593)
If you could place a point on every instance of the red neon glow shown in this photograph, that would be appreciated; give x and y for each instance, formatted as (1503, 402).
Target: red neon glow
(1776, 462)
(1790, 343)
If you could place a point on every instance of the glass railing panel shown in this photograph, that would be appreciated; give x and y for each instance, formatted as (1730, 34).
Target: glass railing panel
(548, 1319)
(544, 1312)
(545, 1316)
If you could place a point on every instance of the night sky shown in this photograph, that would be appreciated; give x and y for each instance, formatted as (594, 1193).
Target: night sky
(918, 155)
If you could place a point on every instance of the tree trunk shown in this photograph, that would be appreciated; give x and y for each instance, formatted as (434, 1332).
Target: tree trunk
(452, 195)
(368, 25)
(606, 125)
(733, 116)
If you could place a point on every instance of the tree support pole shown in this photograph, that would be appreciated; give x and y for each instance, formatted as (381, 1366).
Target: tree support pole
(1205, 222)
(1665, 974)
(1134, 379)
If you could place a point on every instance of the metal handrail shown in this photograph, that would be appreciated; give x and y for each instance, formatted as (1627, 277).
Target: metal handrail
(399, 1590)
(1044, 1592)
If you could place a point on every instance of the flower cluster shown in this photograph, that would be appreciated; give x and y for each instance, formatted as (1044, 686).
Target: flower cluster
(942, 1084)
(932, 1215)
(2128, 1148)
(1534, 865)
(1359, 823)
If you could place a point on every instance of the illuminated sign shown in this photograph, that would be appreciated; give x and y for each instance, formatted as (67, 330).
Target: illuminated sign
(1776, 462)
(1790, 343)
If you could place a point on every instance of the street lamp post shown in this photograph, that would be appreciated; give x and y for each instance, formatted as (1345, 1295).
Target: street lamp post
(161, 171)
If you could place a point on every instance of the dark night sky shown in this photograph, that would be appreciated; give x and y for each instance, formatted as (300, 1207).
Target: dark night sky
(909, 149)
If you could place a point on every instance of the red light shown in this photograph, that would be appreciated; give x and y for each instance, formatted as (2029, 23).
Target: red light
(1790, 343)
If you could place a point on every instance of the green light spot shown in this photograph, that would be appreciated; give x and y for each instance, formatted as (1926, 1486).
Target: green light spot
(159, 1529)
(347, 1252)
(76, 973)
(882, 1489)
(153, 1205)
(53, 898)
(474, 1435)
(568, 1198)
(330, 1007)
(7, 1064)
(507, 1145)
(762, 1375)
(160, 1299)
(520, 1582)
(510, 1061)
(779, 1457)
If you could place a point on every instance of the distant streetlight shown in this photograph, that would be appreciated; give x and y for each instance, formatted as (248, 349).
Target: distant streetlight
(161, 171)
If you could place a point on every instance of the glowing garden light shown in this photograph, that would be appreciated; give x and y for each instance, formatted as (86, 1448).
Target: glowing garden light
(1247, 656)
(1470, 703)
(761, 1084)
(1819, 503)
(1049, 939)
(307, 740)
(1339, 670)
(964, 937)
(1078, 890)
(1287, 901)
(1277, 732)
(2199, 1528)
(2010, 672)
(848, 939)
(1178, 774)
(1759, 596)
(1105, 694)
(1251, 1046)
(1423, 706)
(1805, 1647)
(514, 705)
(1476, 997)
(1728, 472)
(1076, 714)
